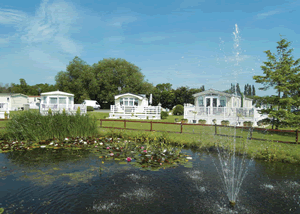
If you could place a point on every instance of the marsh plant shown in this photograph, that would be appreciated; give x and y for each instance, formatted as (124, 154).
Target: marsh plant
(35, 127)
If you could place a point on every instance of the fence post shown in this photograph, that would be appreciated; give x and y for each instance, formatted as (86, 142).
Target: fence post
(296, 136)
(215, 129)
(124, 124)
(181, 128)
(100, 123)
(151, 125)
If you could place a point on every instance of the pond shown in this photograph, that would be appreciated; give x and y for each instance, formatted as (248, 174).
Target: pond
(45, 180)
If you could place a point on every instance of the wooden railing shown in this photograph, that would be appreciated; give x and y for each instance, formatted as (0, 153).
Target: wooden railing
(181, 125)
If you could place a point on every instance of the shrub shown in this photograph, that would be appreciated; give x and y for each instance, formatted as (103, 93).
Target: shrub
(225, 122)
(89, 108)
(49, 111)
(214, 121)
(248, 123)
(178, 110)
(184, 120)
(78, 110)
(5, 115)
(164, 114)
(201, 121)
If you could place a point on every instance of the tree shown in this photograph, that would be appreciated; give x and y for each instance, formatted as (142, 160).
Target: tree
(281, 72)
(110, 74)
(78, 79)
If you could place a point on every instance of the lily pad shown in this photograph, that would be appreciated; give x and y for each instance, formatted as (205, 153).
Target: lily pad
(122, 162)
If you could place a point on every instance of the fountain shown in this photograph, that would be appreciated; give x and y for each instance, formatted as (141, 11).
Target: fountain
(232, 170)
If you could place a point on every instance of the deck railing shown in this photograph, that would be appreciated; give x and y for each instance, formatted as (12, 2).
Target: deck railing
(59, 108)
(219, 111)
(135, 109)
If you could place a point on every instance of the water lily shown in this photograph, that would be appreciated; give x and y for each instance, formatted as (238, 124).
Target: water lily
(107, 147)
(160, 163)
(128, 159)
(190, 158)
(84, 143)
(66, 138)
(142, 147)
(101, 143)
(51, 143)
(164, 150)
(43, 146)
(96, 146)
(111, 154)
(145, 151)
(95, 141)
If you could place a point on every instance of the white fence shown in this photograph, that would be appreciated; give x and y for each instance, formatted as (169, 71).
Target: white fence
(70, 109)
(135, 112)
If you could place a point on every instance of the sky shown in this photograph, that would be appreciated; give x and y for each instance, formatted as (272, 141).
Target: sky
(182, 42)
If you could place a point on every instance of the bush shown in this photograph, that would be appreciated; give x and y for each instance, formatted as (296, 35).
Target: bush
(89, 108)
(214, 121)
(225, 122)
(184, 120)
(178, 110)
(248, 123)
(202, 121)
(164, 114)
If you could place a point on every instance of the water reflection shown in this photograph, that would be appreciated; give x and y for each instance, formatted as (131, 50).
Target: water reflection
(85, 183)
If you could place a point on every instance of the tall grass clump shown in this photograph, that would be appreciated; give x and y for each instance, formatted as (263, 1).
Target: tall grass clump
(35, 127)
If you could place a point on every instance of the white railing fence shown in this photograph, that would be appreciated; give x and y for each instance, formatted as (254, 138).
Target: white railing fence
(139, 112)
(61, 107)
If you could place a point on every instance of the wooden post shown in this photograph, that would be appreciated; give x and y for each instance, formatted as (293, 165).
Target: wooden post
(215, 129)
(181, 128)
(101, 123)
(151, 125)
(296, 136)
(124, 124)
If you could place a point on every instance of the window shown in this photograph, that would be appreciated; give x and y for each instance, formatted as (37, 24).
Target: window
(62, 100)
(200, 101)
(131, 101)
(121, 101)
(1, 105)
(53, 100)
(44, 99)
(136, 101)
(223, 102)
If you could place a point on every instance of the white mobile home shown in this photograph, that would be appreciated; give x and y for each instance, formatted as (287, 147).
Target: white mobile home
(212, 104)
(15, 101)
(59, 101)
(133, 106)
(34, 102)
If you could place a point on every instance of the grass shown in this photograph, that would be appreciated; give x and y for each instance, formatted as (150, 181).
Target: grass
(34, 127)
(203, 138)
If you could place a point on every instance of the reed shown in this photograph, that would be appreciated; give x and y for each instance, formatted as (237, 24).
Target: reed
(35, 127)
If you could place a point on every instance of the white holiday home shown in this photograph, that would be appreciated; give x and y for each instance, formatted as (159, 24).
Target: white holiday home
(133, 106)
(58, 102)
(212, 104)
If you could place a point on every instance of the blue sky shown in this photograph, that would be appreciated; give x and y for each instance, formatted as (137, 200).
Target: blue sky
(183, 42)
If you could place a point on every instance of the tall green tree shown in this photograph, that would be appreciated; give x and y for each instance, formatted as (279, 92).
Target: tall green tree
(112, 74)
(281, 72)
(77, 80)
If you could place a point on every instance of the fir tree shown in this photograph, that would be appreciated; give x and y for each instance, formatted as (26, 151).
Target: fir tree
(281, 72)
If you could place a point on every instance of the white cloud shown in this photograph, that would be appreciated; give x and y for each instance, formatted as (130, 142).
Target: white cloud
(11, 17)
(266, 14)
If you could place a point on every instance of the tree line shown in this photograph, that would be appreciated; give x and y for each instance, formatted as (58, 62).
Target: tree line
(103, 80)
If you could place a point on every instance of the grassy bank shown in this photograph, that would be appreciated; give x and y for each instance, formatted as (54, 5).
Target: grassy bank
(203, 137)
(268, 151)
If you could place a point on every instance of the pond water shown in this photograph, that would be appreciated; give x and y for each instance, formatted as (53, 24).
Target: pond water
(79, 181)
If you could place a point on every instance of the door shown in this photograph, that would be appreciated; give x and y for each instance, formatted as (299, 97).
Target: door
(207, 105)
